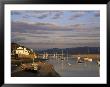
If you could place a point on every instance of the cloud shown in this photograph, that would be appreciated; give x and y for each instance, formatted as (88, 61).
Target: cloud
(57, 15)
(85, 27)
(77, 14)
(43, 16)
(78, 26)
(26, 27)
(50, 33)
(31, 14)
(15, 13)
(93, 36)
(38, 14)
(78, 43)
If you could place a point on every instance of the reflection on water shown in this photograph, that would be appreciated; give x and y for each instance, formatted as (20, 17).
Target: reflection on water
(70, 68)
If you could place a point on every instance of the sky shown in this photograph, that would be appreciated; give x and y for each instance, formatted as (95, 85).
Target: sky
(42, 29)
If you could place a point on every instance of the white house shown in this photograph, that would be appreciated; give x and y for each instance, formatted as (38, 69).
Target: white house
(22, 50)
(18, 51)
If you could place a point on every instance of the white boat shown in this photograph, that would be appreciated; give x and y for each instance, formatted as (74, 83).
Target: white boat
(69, 64)
(79, 60)
(62, 56)
(67, 55)
(89, 59)
(45, 56)
(85, 59)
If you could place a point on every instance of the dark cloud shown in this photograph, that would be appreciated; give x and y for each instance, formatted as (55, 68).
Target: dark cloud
(82, 35)
(78, 25)
(81, 11)
(48, 35)
(61, 45)
(41, 32)
(85, 27)
(57, 15)
(26, 16)
(36, 36)
(75, 16)
(43, 16)
(15, 13)
(17, 39)
(32, 14)
(26, 27)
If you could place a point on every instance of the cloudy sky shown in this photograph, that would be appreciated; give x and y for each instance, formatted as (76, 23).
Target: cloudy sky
(55, 29)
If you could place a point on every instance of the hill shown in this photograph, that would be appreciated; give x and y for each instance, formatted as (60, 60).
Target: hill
(76, 50)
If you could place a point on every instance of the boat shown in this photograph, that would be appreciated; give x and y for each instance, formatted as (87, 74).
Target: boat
(90, 60)
(45, 56)
(69, 64)
(54, 55)
(86, 59)
(62, 56)
(79, 60)
(67, 55)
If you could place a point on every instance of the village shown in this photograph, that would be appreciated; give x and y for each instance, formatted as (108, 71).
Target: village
(26, 60)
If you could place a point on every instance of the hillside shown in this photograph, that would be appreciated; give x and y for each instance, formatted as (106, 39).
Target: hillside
(19, 51)
(76, 50)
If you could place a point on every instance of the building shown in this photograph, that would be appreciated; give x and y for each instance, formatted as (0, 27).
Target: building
(18, 51)
(22, 50)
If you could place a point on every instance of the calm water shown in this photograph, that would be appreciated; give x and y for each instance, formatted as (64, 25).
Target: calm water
(70, 68)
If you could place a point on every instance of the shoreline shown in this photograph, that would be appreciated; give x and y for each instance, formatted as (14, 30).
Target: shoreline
(45, 70)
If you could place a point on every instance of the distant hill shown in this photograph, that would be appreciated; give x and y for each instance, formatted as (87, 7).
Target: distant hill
(77, 50)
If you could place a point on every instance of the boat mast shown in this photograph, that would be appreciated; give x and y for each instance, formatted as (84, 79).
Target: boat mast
(62, 54)
(67, 55)
(56, 55)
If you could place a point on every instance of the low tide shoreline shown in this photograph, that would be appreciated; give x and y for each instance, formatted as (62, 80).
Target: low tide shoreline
(45, 70)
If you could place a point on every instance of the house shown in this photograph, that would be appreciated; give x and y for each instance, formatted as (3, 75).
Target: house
(22, 50)
(18, 51)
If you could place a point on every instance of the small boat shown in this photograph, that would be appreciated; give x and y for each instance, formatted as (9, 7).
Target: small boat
(85, 59)
(69, 64)
(79, 60)
(90, 60)
(62, 58)
(45, 56)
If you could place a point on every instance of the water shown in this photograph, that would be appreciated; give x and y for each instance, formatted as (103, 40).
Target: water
(70, 68)
(67, 67)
